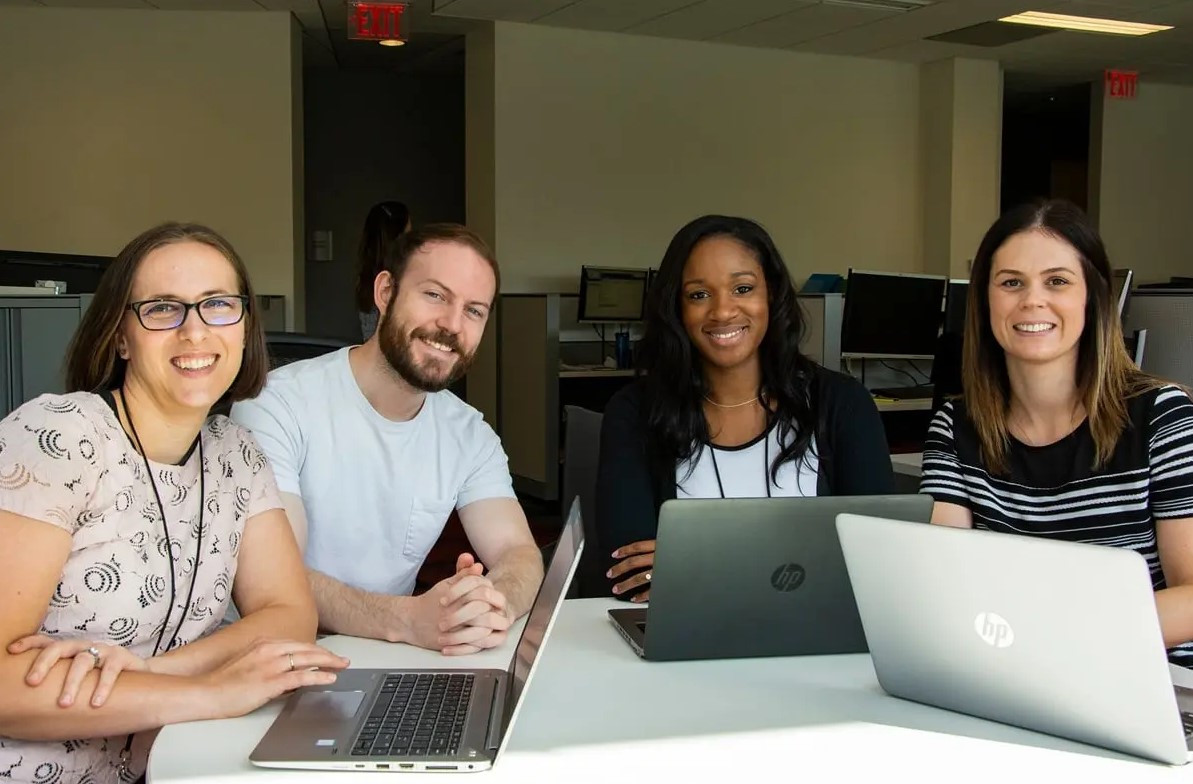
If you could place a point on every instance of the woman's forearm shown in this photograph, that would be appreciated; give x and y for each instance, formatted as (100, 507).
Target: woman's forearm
(1175, 608)
(297, 621)
(139, 701)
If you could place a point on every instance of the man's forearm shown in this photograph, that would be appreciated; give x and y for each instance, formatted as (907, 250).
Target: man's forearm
(518, 575)
(347, 610)
(290, 621)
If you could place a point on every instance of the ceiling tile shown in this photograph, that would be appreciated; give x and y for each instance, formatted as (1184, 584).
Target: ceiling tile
(504, 10)
(206, 5)
(714, 17)
(95, 4)
(803, 24)
(927, 52)
(613, 15)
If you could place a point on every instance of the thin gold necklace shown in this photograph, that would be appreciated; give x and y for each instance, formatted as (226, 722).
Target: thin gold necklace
(731, 405)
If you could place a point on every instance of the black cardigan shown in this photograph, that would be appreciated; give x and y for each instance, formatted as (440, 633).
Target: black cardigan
(632, 484)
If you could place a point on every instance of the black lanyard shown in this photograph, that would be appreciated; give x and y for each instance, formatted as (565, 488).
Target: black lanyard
(712, 451)
(126, 752)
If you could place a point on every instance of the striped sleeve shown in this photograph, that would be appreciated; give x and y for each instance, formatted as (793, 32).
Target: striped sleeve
(1170, 454)
(942, 476)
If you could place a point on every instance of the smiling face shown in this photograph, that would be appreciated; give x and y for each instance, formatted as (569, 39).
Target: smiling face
(1037, 298)
(434, 322)
(723, 302)
(193, 365)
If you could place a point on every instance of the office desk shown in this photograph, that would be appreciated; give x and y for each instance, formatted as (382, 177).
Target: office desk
(595, 711)
(886, 405)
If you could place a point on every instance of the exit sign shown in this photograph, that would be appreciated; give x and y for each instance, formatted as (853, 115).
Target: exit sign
(376, 22)
(1121, 84)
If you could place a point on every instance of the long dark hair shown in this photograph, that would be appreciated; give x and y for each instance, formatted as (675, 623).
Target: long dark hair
(672, 368)
(385, 222)
(93, 363)
(1106, 375)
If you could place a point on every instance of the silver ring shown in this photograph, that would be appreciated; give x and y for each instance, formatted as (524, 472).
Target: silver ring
(95, 654)
(290, 656)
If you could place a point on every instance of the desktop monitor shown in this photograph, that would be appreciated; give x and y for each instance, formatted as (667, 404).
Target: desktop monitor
(955, 298)
(1120, 289)
(611, 295)
(891, 314)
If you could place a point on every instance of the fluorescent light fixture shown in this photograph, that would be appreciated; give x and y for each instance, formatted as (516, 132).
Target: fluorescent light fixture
(392, 42)
(1086, 24)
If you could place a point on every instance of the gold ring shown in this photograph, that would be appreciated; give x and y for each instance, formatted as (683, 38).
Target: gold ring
(290, 656)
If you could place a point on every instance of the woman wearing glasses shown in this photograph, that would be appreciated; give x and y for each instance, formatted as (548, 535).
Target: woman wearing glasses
(130, 517)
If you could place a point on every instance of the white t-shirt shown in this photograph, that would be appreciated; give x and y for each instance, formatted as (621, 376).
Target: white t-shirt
(377, 493)
(745, 472)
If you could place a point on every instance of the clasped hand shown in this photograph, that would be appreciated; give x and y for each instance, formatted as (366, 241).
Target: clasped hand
(463, 614)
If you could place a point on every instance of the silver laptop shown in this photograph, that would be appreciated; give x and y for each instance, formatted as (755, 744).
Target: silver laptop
(420, 720)
(1057, 637)
(748, 577)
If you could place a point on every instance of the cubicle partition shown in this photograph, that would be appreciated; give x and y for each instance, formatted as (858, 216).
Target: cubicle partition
(528, 390)
(1167, 315)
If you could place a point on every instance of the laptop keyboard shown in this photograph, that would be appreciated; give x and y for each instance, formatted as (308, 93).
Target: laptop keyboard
(416, 715)
(1187, 723)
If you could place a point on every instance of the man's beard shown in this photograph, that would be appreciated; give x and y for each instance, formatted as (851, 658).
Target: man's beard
(397, 344)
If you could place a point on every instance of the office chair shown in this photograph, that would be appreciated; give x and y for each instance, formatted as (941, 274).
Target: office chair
(287, 347)
(581, 454)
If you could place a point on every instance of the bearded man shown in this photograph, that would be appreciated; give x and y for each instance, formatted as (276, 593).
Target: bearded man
(372, 454)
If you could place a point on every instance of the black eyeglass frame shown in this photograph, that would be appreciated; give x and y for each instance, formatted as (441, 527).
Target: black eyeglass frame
(135, 307)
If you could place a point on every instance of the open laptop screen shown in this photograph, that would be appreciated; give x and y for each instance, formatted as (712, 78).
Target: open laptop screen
(538, 621)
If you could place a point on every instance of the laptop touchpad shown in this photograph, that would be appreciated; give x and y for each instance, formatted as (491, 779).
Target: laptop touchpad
(324, 705)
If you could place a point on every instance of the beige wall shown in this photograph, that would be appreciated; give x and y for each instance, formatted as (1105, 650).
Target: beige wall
(1142, 194)
(961, 133)
(606, 144)
(113, 120)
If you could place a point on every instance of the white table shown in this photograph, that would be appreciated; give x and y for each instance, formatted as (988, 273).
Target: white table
(595, 711)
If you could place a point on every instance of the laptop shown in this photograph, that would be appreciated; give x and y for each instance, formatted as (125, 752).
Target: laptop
(420, 720)
(743, 577)
(1057, 637)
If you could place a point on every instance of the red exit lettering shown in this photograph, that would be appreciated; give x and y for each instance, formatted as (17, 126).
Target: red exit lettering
(375, 21)
(1121, 84)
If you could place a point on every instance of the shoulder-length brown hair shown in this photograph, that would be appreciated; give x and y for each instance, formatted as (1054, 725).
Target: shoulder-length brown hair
(1106, 375)
(92, 361)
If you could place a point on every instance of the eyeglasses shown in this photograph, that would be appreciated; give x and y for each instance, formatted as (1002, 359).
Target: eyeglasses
(222, 310)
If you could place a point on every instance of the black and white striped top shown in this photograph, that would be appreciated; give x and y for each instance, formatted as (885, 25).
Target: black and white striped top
(1054, 491)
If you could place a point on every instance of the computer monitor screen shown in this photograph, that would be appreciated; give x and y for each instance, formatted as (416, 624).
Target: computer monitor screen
(955, 298)
(891, 314)
(1120, 289)
(611, 295)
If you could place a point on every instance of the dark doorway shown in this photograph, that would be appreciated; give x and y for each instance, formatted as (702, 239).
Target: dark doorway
(1045, 141)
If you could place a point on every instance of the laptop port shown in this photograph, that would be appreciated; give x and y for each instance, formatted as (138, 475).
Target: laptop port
(382, 766)
(440, 767)
(405, 765)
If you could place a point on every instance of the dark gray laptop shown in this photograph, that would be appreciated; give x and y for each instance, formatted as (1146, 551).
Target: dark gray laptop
(1052, 636)
(420, 720)
(748, 577)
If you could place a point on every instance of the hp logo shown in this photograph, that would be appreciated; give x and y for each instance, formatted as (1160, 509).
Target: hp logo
(787, 577)
(994, 630)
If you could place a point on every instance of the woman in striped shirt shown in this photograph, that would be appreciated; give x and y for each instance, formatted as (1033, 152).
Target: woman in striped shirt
(1058, 434)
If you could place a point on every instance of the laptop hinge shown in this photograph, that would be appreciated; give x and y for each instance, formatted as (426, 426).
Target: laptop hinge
(496, 715)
